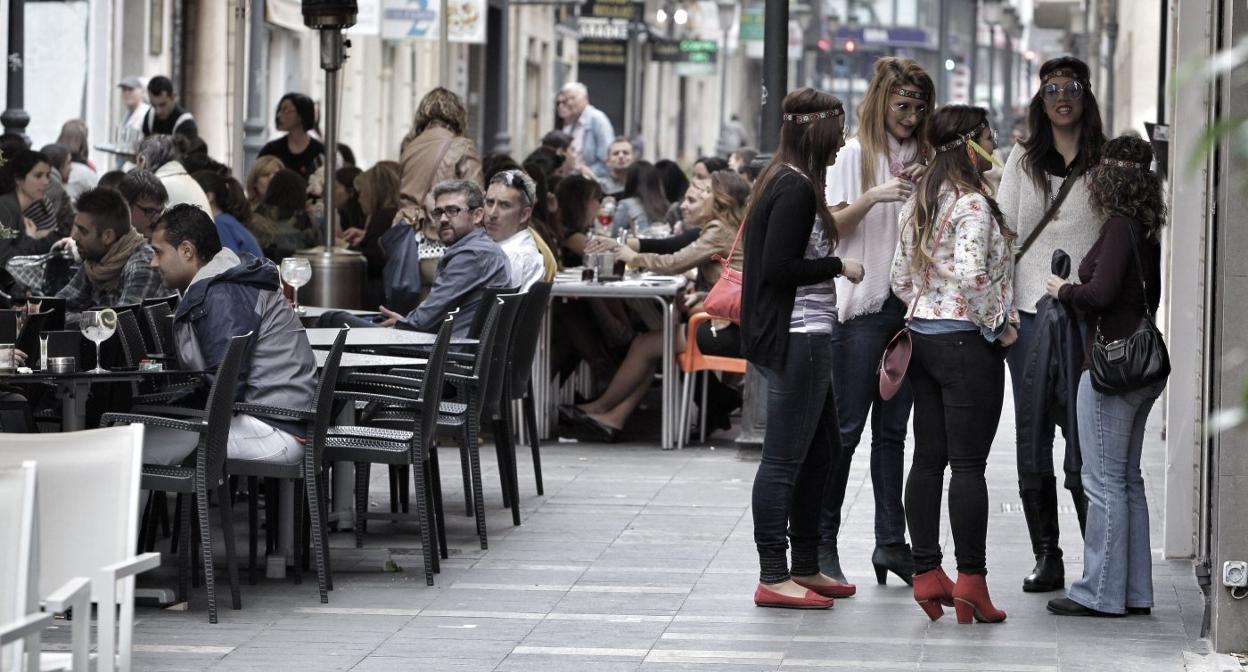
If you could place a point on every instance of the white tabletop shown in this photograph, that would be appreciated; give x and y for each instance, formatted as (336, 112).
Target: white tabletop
(356, 360)
(317, 311)
(570, 284)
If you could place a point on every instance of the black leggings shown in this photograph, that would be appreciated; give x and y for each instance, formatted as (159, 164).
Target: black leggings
(958, 381)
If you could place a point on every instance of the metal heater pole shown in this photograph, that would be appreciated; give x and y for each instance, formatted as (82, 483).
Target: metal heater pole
(775, 71)
(331, 61)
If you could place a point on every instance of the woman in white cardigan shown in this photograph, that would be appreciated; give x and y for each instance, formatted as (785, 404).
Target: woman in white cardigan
(1065, 138)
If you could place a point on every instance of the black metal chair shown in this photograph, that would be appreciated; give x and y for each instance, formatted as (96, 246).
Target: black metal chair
(208, 472)
(159, 319)
(478, 391)
(306, 475)
(410, 445)
(518, 386)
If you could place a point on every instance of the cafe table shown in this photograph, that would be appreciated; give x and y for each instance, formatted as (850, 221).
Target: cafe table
(663, 289)
(359, 338)
(73, 388)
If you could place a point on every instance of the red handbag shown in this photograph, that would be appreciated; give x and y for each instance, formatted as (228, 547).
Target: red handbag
(723, 302)
(896, 358)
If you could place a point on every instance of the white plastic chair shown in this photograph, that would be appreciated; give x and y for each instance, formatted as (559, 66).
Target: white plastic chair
(88, 527)
(21, 623)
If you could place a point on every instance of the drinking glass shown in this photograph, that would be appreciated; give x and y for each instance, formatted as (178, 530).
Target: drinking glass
(296, 272)
(98, 326)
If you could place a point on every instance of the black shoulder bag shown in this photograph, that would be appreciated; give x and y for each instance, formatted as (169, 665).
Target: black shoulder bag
(1136, 361)
(1067, 185)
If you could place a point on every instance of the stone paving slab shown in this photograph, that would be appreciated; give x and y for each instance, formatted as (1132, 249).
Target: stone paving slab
(640, 559)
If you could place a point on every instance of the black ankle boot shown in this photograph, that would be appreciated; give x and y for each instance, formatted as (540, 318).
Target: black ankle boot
(895, 558)
(830, 562)
(1040, 510)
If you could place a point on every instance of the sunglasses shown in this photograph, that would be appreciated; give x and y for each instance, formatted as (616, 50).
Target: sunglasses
(907, 110)
(1072, 90)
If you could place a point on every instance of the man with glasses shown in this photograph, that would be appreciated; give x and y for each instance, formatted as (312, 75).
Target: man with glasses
(116, 259)
(508, 209)
(472, 262)
(147, 196)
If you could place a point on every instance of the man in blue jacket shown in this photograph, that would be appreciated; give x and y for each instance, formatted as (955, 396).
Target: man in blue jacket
(472, 262)
(227, 295)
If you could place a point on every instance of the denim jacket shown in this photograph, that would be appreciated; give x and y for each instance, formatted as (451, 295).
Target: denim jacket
(597, 138)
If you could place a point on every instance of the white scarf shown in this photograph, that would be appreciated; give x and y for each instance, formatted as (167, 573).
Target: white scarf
(874, 240)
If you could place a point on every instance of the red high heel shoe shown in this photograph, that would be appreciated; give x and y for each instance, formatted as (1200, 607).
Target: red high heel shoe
(971, 600)
(931, 590)
(837, 589)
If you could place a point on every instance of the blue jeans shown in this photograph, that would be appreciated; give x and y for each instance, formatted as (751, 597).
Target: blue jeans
(1117, 556)
(857, 346)
(799, 446)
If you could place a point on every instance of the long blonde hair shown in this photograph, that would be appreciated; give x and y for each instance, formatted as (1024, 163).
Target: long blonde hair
(728, 195)
(265, 165)
(378, 187)
(890, 72)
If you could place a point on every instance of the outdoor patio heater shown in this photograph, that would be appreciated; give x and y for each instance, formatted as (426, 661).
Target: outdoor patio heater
(337, 275)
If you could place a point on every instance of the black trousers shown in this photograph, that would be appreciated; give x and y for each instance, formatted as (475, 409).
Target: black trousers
(958, 381)
(802, 442)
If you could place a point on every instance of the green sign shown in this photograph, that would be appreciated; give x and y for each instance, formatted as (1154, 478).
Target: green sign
(751, 29)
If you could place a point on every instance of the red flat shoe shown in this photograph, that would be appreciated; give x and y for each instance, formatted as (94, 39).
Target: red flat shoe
(837, 589)
(765, 597)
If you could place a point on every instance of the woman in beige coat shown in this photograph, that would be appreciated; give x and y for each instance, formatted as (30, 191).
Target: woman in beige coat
(433, 151)
(721, 212)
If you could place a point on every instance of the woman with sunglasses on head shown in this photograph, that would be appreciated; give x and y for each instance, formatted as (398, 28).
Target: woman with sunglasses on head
(788, 311)
(954, 267)
(1120, 285)
(873, 174)
(1044, 197)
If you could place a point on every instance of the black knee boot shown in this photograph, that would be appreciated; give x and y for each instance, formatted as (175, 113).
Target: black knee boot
(1040, 509)
(1081, 508)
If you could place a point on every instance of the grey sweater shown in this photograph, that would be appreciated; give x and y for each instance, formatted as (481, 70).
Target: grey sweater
(1073, 229)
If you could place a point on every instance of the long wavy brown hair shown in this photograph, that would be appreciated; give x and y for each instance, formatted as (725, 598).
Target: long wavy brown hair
(952, 168)
(729, 194)
(810, 147)
(890, 72)
(1134, 193)
(1039, 141)
(378, 187)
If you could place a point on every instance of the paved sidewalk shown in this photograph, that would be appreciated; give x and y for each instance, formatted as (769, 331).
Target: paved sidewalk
(638, 559)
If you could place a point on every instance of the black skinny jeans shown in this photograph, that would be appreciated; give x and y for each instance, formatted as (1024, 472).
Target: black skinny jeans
(803, 440)
(958, 381)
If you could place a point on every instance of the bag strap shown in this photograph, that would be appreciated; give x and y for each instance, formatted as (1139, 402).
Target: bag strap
(1139, 268)
(914, 303)
(1067, 184)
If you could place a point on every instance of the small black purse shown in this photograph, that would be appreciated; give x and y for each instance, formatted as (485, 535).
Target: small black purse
(1136, 361)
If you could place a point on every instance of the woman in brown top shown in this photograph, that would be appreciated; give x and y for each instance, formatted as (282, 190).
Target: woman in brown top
(606, 415)
(1120, 285)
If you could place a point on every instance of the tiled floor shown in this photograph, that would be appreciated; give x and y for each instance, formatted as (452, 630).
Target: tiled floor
(639, 559)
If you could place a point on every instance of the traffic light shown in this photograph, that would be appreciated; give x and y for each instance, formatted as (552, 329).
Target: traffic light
(824, 44)
(850, 45)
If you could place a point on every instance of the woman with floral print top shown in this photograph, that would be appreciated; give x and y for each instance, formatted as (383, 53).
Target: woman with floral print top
(954, 265)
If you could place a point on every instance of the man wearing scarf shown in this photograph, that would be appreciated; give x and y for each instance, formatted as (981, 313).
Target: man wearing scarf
(116, 259)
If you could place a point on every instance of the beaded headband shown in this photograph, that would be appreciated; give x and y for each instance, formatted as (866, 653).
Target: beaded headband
(954, 144)
(897, 90)
(1060, 72)
(1119, 163)
(806, 118)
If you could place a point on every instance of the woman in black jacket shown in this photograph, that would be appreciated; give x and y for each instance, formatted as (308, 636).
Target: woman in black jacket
(788, 309)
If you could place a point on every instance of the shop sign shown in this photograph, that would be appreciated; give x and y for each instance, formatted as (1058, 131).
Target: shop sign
(419, 20)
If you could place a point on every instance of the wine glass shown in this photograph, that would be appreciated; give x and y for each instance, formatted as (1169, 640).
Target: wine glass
(296, 272)
(98, 326)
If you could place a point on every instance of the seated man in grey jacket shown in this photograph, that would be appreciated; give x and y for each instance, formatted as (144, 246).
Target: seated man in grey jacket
(472, 262)
(227, 295)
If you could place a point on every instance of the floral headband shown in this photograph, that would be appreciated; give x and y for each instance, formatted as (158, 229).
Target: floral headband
(1060, 72)
(899, 91)
(962, 140)
(806, 118)
(1119, 163)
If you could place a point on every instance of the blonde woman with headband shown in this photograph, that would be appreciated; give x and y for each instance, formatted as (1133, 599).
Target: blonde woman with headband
(873, 174)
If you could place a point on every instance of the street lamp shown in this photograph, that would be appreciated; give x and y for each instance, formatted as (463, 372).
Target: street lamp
(727, 9)
(15, 118)
(991, 14)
